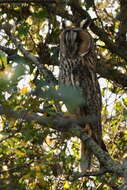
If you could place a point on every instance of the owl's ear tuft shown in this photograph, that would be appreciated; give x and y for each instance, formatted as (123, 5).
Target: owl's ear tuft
(85, 23)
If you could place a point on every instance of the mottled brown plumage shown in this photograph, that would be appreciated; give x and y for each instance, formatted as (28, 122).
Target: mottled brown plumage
(78, 69)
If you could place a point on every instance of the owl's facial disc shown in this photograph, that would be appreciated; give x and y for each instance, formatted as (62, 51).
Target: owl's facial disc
(75, 42)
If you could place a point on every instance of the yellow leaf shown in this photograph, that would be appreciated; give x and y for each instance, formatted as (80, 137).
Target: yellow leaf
(3, 59)
(50, 141)
(24, 90)
(19, 153)
(66, 185)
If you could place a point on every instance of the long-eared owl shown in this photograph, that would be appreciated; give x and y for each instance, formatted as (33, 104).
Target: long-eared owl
(78, 69)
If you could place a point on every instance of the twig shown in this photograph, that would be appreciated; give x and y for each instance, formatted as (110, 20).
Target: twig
(77, 175)
(17, 167)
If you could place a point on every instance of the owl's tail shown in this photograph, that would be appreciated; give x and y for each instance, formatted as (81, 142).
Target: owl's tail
(86, 156)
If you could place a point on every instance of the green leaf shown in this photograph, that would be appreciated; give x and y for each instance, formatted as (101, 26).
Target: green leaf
(72, 97)
(40, 14)
(23, 29)
(125, 113)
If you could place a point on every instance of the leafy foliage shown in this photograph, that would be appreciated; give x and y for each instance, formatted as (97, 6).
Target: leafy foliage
(35, 156)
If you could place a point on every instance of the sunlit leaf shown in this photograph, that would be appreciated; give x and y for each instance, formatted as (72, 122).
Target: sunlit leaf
(3, 60)
(66, 185)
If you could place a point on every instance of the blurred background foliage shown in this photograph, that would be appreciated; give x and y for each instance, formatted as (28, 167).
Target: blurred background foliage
(35, 157)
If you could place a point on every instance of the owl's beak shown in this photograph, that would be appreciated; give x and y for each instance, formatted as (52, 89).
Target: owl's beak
(70, 52)
(70, 55)
(71, 49)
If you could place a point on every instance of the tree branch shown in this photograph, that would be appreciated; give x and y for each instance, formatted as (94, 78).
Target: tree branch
(8, 51)
(123, 187)
(80, 14)
(111, 74)
(72, 126)
(42, 69)
(121, 36)
(77, 175)
(27, 1)
(98, 31)
(102, 68)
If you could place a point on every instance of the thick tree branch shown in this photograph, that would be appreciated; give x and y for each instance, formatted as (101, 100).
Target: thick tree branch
(77, 175)
(123, 187)
(109, 73)
(121, 36)
(109, 44)
(72, 126)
